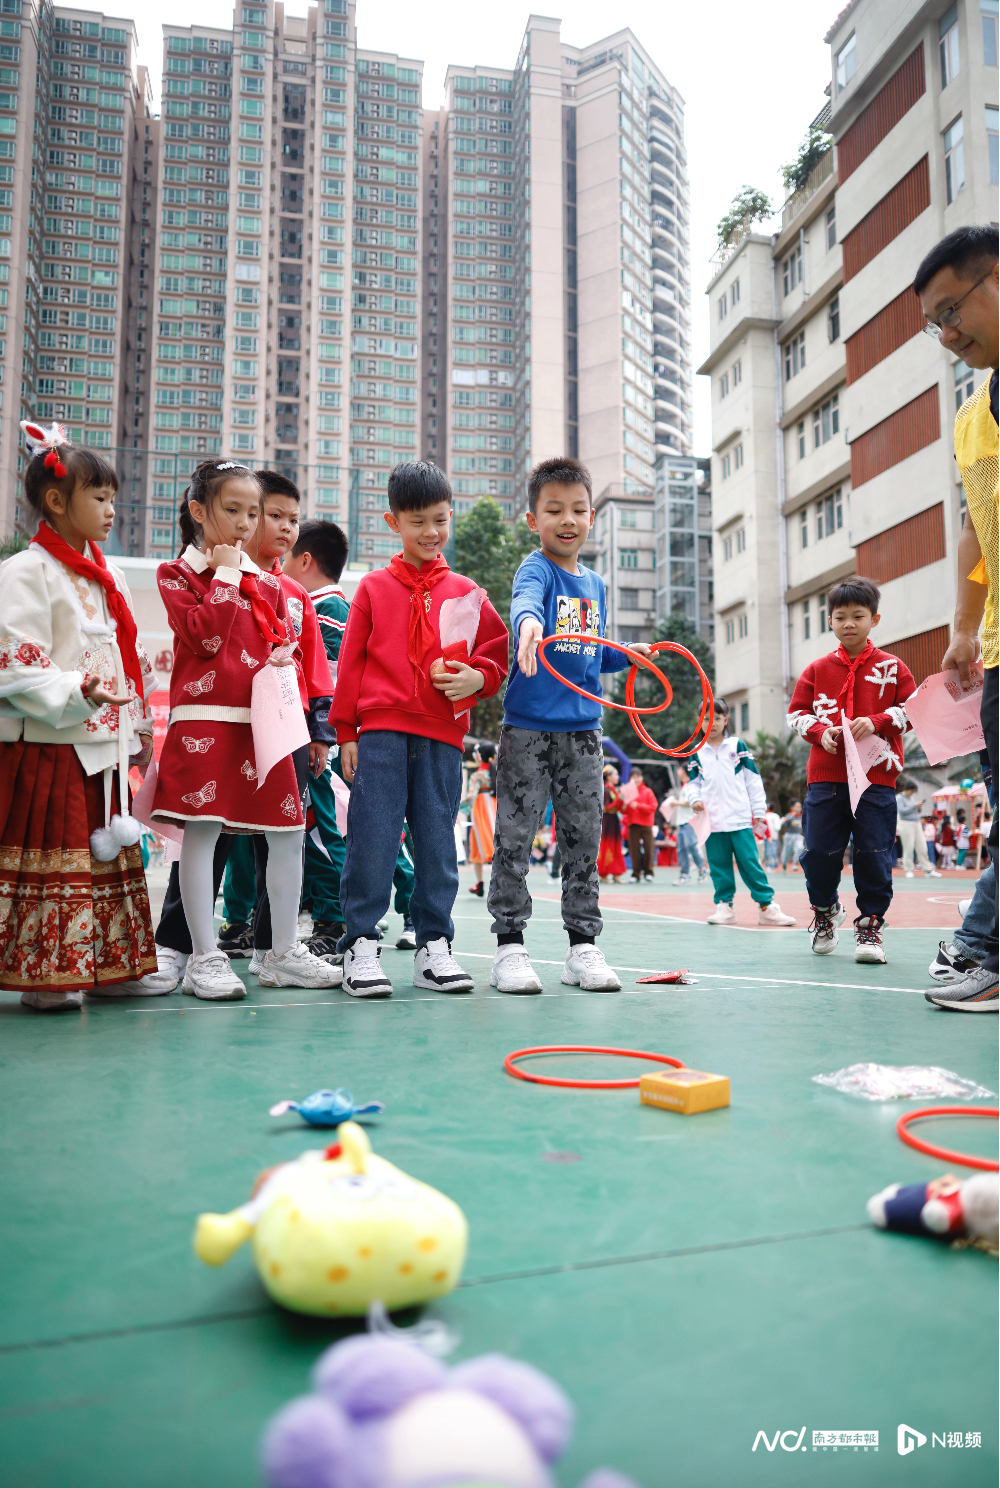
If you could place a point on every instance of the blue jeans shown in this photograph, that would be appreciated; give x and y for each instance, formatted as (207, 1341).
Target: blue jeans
(978, 922)
(828, 825)
(402, 777)
(687, 848)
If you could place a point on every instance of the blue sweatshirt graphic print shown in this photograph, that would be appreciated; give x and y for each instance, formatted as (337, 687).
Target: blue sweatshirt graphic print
(570, 605)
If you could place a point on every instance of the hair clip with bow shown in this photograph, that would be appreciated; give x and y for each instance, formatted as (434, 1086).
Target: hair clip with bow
(38, 438)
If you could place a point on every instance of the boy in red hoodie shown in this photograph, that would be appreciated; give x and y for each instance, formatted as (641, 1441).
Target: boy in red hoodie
(639, 815)
(870, 687)
(400, 739)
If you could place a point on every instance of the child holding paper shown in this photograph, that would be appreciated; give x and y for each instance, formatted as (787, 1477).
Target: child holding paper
(401, 713)
(869, 687)
(228, 619)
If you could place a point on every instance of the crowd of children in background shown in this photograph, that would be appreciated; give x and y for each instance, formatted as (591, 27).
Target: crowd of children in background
(371, 805)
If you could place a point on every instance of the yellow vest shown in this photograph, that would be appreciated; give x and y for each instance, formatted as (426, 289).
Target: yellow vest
(977, 450)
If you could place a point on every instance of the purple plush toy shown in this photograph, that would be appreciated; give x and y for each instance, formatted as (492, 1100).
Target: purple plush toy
(387, 1415)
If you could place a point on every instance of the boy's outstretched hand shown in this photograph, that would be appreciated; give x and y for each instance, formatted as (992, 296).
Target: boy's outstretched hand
(349, 760)
(528, 636)
(462, 682)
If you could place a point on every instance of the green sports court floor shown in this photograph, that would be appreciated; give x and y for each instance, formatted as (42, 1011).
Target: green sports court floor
(688, 1281)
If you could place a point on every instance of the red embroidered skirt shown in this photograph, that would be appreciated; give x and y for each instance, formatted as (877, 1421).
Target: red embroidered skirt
(67, 922)
(207, 772)
(610, 858)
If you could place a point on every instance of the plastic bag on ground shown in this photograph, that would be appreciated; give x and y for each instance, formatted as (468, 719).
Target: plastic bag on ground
(882, 1082)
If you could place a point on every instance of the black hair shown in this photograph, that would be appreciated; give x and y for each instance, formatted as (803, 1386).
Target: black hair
(905, 783)
(563, 470)
(273, 484)
(970, 251)
(854, 591)
(415, 485)
(207, 479)
(328, 545)
(83, 468)
(721, 706)
(486, 751)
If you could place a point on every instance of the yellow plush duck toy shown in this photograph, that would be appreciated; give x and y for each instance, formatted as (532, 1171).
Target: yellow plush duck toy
(338, 1229)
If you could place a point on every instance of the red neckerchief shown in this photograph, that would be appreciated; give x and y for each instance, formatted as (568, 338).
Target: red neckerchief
(96, 568)
(261, 611)
(420, 582)
(845, 698)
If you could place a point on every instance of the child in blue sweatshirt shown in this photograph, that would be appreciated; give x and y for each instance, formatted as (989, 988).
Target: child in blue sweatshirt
(550, 743)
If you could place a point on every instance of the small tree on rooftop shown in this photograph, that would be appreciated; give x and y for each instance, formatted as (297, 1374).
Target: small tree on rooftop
(748, 206)
(796, 173)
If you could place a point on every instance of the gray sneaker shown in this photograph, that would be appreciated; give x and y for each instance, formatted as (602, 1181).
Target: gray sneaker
(976, 992)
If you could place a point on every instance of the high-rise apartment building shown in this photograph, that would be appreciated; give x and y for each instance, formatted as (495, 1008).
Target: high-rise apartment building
(817, 333)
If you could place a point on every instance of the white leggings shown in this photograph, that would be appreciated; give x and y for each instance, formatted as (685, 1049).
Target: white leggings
(284, 884)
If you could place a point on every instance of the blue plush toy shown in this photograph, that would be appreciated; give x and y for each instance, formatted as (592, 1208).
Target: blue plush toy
(328, 1108)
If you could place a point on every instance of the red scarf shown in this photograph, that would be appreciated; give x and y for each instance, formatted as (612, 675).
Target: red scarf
(96, 568)
(266, 621)
(420, 582)
(845, 698)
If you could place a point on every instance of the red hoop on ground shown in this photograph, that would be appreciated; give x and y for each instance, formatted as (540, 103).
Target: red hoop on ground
(520, 1074)
(944, 1153)
(685, 750)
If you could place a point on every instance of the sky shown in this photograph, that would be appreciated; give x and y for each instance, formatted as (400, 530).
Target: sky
(752, 76)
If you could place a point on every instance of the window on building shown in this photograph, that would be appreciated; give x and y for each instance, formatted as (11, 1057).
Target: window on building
(791, 269)
(954, 160)
(804, 527)
(727, 549)
(737, 457)
(831, 228)
(742, 627)
(989, 18)
(801, 435)
(744, 718)
(993, 142)
(737, 372)
(723, 307)
(847, 64)
(806, 620)
(826, 421)
(948, 32)
(627, 519)
(965, 384)
(824, 619)
(726, 466)
(829, 514)
(795, 355)
(628, 557)
(734, 292)
(741, 540)
(723, 384)
(730, 632)
(628, 599)
(833, 319)
(629, 635)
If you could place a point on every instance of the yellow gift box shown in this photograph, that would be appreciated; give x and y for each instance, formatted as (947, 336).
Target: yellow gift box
(685, 1090)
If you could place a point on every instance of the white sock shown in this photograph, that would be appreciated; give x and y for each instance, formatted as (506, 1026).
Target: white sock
(284, 886)
(196, 882)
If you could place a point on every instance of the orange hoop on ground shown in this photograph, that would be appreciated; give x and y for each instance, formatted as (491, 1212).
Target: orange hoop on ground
(944, 1153)
(702, 730)
(520, 1074)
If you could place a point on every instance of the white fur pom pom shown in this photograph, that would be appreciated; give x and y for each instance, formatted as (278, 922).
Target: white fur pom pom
(104, 844)
(126, 829)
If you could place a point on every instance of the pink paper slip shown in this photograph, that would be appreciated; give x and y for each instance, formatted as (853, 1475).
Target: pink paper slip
(860, 755)
(142, 806)
(276, 718)
(702, 827)
(945, 719)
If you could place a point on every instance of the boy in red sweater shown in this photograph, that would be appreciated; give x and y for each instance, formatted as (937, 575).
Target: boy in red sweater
(639, 815)
(870, 687)
(400, 739)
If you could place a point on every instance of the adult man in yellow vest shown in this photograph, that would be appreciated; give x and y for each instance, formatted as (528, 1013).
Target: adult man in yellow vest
(959, 288)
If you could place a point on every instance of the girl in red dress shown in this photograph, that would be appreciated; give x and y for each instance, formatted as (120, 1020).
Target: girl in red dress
(74, 911)
(228, 619)
(483, 795)
(610, 859)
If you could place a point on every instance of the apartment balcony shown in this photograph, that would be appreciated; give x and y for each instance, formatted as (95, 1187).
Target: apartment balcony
(797, 203)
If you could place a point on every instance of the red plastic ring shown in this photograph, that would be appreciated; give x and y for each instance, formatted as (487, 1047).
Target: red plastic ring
(944, 1153)
(601, 701)
(520, 1074)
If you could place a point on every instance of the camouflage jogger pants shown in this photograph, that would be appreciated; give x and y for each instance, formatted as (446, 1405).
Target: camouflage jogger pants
(531, 767)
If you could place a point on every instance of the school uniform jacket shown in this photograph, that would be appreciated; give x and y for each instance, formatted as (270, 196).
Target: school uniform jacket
(728, 782)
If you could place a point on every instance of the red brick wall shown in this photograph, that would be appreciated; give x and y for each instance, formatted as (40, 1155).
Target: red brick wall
(904, 548)
(894, 325)
(903, 433)
(887, 219)
(921, 653)
(890, 103)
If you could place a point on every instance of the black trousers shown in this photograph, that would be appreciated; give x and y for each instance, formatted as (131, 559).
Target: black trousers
(988, 715)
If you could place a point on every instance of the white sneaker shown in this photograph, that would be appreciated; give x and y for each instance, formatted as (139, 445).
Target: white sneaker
(824, 927)
(909, 873)
(964, 905)
(511, 971)
(933, 873)
(298, 968)
(702, 874)
(211, 977)
(771, 915)
(304, 925)
(435, 967)
(170, 963)
(868, 947)
(724, 914)
(153, 984)
(586, 967)
(407, 938)
(53, 1002)
(684, 878)
(256, 962)
(363, 976)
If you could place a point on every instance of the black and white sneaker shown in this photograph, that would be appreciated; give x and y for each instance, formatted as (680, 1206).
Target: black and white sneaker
(435, 968)
(236, 939)
(825, 924)
(976, 992)
(949, 965)
(323, 942)
(363, 975)
(868, 947)
(407, 938)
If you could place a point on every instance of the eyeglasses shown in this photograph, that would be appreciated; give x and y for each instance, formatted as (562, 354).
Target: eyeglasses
(951, 317)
